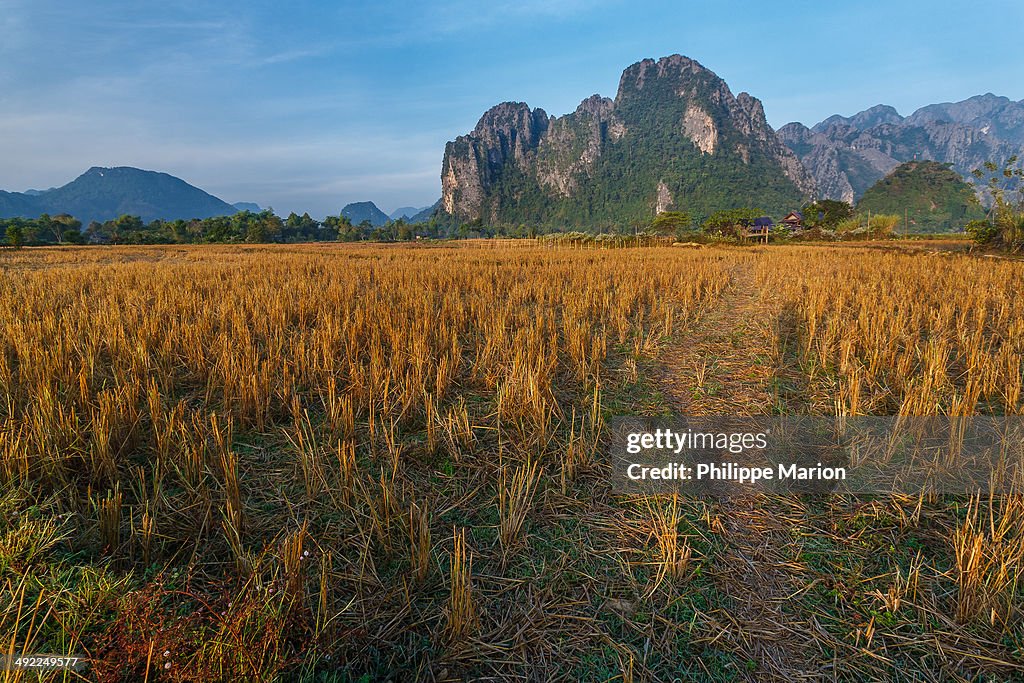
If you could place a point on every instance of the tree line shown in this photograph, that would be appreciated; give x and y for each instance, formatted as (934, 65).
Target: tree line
(267, 227)
(243, 227)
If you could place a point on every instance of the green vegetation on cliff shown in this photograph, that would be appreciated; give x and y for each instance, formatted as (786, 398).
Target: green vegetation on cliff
(674, 138)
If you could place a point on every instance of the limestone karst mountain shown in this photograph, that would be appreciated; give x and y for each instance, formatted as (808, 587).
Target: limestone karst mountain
(674, 137)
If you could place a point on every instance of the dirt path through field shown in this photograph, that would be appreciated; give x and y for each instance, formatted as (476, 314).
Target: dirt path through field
(722, 366)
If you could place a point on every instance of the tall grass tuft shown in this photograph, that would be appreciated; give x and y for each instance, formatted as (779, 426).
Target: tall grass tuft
(462, 610)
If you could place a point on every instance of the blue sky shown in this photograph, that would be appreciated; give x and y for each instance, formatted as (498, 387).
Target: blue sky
(311, 105)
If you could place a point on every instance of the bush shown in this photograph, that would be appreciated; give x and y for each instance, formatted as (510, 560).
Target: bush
(982, 232)
(814, 235)
(730, 223)
(849, 225)
(882, 226)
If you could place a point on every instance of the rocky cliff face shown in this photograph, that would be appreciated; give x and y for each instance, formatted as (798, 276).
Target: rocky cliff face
(674, 137)
(847, 155)
(506, 135)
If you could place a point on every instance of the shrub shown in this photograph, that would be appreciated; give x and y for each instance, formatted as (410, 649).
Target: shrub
(882, 225)
(982, 232)
(849, 225)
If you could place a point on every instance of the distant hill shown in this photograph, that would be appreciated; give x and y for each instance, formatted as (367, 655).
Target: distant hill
(932, 195)
(357, 212)
(407, 212)
(247, 206)
(14, 204)
(102, 194)
(425, 214)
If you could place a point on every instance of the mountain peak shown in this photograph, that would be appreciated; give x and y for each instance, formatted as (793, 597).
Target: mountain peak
(864, 120)
(357, 212)
(673, 67)
(965, 111)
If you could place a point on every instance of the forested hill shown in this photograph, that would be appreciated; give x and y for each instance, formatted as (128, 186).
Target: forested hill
(102, 194)
(932, 195)
(358, 212)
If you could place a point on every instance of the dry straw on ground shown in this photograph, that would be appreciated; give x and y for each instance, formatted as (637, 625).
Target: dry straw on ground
(253, 459)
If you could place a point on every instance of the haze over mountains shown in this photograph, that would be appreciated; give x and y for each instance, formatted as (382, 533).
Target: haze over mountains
(673, 138)
(407, 213)
(102, 194)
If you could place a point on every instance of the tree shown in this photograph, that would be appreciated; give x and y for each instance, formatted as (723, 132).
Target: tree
(270, 225)
(982, 231)
(15, 235)
(671, 223)
(47, 228)
(122, 228)
(217, 229)
(1006, 186)
(730, 221)
(66, 227)
(826, 213)
(342, 227)
(403, 231)
(300, 228)
(178, 231)
(255, 231)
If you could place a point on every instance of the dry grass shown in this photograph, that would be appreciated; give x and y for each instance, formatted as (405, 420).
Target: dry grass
(515, 498)
(196, 406)
(253, 458)
(462, 611)
(888, 333)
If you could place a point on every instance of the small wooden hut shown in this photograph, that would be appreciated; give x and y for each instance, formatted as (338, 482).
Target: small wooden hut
(794, 220)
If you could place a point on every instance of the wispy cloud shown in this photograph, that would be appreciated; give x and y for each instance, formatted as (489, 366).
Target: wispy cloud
(293, 55)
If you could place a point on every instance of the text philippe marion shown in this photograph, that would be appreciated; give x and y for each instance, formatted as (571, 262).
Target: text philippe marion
(864, 455)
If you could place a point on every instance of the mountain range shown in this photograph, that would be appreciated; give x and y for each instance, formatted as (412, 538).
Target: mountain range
(846, 155)
(674, 137)
(357, 212)
(102, 194)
